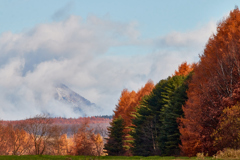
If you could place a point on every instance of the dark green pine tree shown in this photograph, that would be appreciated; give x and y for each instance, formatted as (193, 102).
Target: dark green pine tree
(114, 145)
(172, 85)
(171, 134)
(144, 131)
(146, 128)
(150, 137)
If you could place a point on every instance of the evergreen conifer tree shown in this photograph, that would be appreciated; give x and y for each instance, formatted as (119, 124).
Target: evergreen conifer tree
(152, 121)
(169, 121)
(114, 145)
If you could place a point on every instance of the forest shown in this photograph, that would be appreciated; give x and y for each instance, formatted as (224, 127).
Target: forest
(196, 110)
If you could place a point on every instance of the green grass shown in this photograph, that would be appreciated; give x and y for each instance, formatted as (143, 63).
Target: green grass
(48, 157)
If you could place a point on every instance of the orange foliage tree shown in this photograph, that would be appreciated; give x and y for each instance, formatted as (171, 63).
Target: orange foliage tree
(86, 142)
(19, 141)
(83, 140)
(214, 79)
(184, 69)
(98, 143)
(45, 137)
(128, 102)
(59, 143)
(14, 140)
(4, 136)
(127, 106)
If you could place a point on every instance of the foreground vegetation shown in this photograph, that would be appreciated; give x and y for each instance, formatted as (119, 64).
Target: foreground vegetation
(226, 154)
(46, 157)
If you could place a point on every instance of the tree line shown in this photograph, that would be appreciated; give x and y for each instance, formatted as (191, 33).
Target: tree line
(70, 121)
(195, 110)
(39, 136)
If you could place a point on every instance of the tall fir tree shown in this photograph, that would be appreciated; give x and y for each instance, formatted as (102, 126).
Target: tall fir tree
(114, 145)
(171, 115)
(144, 131)
(172, 85)
(149, 136)
(151, 118)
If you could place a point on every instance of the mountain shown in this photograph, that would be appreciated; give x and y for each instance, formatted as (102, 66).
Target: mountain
(78, 103)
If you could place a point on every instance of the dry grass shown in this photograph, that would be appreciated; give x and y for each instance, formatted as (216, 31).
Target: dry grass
(200, 156)
(228, 154)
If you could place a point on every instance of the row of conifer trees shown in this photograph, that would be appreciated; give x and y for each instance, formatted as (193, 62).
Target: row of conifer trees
(147, 125)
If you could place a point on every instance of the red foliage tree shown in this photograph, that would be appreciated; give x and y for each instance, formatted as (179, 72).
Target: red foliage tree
(214, 79)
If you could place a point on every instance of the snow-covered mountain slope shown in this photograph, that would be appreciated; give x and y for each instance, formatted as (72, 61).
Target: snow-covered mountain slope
(78, 103)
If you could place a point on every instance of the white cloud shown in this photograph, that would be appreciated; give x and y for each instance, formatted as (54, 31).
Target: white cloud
(194, 38)
(73, 52)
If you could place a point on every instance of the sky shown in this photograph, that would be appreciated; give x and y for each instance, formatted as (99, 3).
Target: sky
(96, 48)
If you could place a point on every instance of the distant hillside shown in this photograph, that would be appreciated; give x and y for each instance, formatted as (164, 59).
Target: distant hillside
(92, 120)
(105, 116)
(71, 125)
(60, 120)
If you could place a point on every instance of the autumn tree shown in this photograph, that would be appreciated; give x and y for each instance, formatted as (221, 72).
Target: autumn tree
(98, 143)
(14, 140)
(227, 134)
(3, 140)
(41, 132)
(184, 69)
(71, 146)
(214, 79)
(125, 108)
(19, 141)
(129, 100)
(58, 141)
(86, 142)
(83, 139)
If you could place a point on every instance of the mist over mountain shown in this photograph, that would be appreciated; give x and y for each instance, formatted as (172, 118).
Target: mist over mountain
(76, 102)
(91, 55)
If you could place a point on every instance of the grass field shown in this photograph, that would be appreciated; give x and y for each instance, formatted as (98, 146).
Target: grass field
(46, 157)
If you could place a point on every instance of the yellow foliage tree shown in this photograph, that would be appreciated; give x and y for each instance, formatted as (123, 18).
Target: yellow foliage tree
(227, 135)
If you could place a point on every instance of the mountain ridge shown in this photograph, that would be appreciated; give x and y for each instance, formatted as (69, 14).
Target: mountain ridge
(77, 102)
